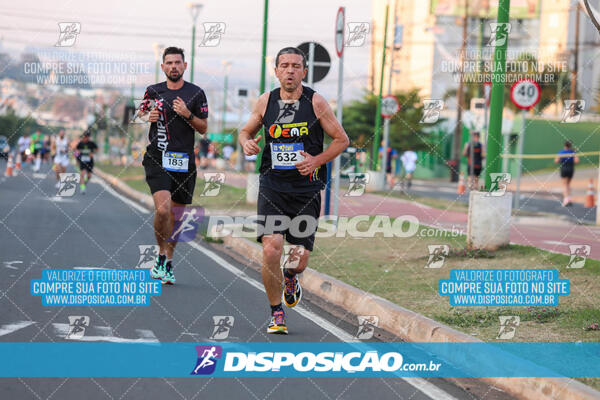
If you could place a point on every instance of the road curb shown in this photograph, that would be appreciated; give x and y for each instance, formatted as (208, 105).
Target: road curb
(119, 185)
(402, 322)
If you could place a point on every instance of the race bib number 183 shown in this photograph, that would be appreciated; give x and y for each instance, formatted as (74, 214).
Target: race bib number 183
(176, 162)
(286, 155)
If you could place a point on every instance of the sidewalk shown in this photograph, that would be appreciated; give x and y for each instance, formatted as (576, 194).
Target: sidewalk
(545, 184)
(550, 234)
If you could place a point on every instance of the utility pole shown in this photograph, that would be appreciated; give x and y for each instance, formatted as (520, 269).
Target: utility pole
(386, 123)
(374, 156)
(597, 25)
(372, 80)
(227, 66)
(194, 10)
(460, 100)
(493, 163)
(263, 59)
(129, 129)
(575, 55)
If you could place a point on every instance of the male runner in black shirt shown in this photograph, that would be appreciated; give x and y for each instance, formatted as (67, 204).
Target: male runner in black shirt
(177, 109)
(85, 157)
(292, 174)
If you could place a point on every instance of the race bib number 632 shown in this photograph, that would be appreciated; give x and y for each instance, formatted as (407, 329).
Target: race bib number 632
(286, 155)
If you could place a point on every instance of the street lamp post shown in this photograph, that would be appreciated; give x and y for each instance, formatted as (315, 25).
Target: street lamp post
(227, 67)
(263, 57)
(194, 10)
(158, 49)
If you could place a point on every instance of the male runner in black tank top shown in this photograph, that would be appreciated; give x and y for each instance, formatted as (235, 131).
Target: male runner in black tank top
(292, 174)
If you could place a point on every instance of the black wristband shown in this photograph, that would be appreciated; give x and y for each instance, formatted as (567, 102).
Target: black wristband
(191, 117)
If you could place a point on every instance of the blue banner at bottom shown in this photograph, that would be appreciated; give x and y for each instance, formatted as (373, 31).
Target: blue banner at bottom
(300, 359)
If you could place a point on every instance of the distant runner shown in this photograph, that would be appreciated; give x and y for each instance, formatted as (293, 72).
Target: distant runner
(409, 163)
(567, 161)
(85, 156)
(61, 158)
(474, 161)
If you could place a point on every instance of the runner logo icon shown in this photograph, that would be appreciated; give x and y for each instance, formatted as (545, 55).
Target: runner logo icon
(358, 184)
(207, 359)
(437, 255)
(287, 111)
(223, 324)
(148, 254)
(579, 253)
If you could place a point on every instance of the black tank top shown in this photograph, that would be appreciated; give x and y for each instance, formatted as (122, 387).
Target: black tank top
(292, 122)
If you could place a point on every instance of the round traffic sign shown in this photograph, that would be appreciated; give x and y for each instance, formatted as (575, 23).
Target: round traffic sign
(525, 93)
(389, 106)
(321, 61)
(487, 92)
(339, 31)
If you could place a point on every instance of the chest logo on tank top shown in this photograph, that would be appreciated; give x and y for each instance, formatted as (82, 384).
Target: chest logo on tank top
(296, 129)
(287, 111)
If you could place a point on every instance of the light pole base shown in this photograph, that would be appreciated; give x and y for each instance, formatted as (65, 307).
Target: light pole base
(376, 181)
(252, 188)
(489, 220)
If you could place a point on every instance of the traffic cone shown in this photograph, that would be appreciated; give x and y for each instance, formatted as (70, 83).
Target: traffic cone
(9, 166)
(589, 196)
(461, 184)
(18, 163)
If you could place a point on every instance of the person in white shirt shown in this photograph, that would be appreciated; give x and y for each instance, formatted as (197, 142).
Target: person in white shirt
(23, 144)
(61, 158)
(409, 162)
(227, 151)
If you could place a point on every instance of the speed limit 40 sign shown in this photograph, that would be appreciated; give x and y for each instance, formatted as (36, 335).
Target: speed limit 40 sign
(525, 94)
(389, 106)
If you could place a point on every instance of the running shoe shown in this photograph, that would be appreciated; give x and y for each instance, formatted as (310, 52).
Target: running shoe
(292, 292)
(277, 324)
(168, 278)
(82, 187)
(159, 269)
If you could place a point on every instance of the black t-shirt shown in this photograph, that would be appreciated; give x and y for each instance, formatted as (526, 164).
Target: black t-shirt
(204, 145)
(85, 149)
(477, 158)
(173, 132)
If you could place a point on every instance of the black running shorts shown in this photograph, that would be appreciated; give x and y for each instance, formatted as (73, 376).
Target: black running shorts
(180, 184)
(306, 206)
(86, 166)
(566, 171)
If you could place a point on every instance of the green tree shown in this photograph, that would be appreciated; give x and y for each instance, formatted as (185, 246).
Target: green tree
(14, 127)
(406, 131)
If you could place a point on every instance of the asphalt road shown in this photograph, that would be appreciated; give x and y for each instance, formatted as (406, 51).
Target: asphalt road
(101, 230)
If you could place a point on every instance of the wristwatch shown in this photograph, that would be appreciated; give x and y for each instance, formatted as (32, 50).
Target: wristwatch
(191, 117)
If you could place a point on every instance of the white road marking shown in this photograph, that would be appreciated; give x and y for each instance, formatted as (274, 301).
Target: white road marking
(10, 328)
(556, 242)
(333, 329)
(37, 175)
(144, 335)
(124, 199)
(421, 384)
(418, 383)
(8, 264)
(60, 199)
